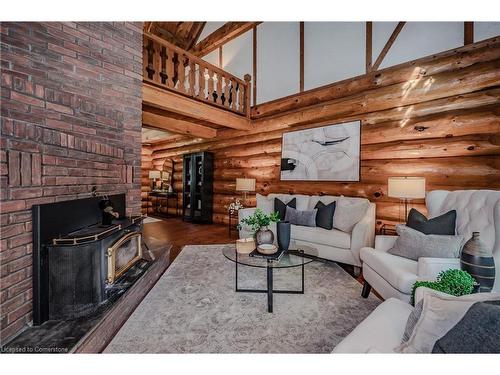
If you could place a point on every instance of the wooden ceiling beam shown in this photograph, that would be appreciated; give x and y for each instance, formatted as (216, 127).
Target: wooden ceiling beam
(388, 45)
(182, 105)
(168, 36)
(177, 126)
(221, 36)
(196, 32)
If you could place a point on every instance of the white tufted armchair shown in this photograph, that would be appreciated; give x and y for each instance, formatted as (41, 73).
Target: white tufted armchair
(394, 276)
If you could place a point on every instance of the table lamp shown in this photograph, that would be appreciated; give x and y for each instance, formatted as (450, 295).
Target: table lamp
(153, 175)
(245, 185)
(406, 188)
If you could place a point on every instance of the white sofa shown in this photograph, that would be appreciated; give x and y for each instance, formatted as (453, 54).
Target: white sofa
(331, 244)
(394, 276)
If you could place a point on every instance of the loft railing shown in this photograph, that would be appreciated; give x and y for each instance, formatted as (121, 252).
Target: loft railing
(168, 66)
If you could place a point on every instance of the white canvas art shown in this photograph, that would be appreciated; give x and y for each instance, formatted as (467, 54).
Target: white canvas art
(328, 153)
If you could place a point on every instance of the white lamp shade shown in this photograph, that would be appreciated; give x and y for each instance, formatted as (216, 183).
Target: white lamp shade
(154, 174)
(245, 184)
(165, 175)
(406, 187)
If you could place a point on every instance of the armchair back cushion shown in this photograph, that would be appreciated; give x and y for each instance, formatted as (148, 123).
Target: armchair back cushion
(477, 211)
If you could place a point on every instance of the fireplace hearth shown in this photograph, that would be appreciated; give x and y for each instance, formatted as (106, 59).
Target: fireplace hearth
(78, 259)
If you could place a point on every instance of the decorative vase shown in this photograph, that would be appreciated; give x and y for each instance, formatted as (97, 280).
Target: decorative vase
(283, 232)
(477, 259)
(264, 235)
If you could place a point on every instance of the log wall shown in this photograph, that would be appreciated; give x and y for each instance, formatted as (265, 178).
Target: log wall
(436, 117)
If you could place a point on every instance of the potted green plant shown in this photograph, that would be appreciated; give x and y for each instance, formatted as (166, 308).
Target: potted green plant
(453, 281)
(259, 222)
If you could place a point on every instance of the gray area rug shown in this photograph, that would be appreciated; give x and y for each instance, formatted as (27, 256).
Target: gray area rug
(194, 309)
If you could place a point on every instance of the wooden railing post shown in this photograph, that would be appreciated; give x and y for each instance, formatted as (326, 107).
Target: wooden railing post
(247, 79)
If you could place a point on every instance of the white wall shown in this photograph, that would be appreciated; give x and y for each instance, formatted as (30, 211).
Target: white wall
(333, 51)
(209, 28)
(416, 39)
(277, 60)
(237, 55)
(485, 30)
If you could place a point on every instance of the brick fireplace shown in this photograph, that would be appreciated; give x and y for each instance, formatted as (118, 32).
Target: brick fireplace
(71, 119)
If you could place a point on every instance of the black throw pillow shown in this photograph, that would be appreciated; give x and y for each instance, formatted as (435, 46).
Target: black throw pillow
(477, 332)
(443, 225)
(280, 207)
(324, 216)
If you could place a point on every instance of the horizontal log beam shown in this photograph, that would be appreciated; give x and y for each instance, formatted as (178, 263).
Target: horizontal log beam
(177, 125)
(176, 103)
(486, 50)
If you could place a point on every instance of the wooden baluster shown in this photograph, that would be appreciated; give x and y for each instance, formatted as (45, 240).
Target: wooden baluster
(156, 63)
(181, 73)
(226, 92)
(201, 71)
(210, 84)
(192, 78)
(241, 98)
(162, 53)
(234, 95)
(219, 88)
(170, 68)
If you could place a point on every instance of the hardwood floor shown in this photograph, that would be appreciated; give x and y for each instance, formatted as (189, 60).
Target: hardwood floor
(180, 233)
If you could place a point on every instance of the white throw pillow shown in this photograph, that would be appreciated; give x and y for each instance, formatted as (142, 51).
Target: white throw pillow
(440, 313)
(348, 214)
(265, 204)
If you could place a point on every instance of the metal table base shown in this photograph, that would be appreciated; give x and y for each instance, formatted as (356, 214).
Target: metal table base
(269, 291)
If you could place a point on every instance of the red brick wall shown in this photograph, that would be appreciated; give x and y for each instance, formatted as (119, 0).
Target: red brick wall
(71, 119)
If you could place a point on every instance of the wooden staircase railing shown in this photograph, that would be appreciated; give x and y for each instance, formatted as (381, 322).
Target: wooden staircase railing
(170, 67)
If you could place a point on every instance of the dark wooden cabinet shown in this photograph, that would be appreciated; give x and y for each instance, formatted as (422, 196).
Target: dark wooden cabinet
(197, 187)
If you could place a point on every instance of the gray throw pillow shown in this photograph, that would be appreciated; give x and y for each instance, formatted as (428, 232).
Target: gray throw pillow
(413, 244)
(304, 218)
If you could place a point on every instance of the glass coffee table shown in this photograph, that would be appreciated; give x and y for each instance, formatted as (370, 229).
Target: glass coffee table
(291, 258)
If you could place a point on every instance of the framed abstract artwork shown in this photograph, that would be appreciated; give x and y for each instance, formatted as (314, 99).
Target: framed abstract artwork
(327, 153)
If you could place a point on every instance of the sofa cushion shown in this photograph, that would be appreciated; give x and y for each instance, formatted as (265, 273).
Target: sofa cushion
(324, 216)
(478, 332)
(348, 213)
(280, 206)
(326, 199)
(400, 272)
(443, 224)
(381, 331)
(322, 236)
(296, 217)
(302, 200)
(440, 313)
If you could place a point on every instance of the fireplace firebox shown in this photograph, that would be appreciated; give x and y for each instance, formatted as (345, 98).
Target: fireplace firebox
(78, 259)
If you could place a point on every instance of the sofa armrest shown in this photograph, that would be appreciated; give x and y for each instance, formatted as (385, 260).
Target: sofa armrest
(429, 268)
(363, 233)
(384, 243)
